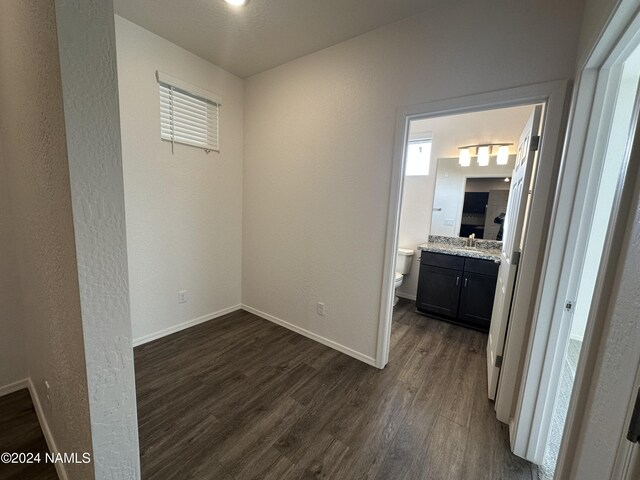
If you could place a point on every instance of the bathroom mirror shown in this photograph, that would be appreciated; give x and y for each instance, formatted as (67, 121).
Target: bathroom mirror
(470, 200)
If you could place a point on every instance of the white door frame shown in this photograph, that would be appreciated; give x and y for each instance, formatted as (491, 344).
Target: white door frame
(591, 120)
(554, 96)
(553, 323)
(608, 373)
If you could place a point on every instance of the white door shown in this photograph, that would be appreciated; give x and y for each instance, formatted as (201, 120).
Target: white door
(511, 246)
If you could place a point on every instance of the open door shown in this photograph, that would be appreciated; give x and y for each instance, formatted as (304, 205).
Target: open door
(510, 256)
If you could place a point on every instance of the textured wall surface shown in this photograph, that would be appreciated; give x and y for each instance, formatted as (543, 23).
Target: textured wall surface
(13, 361)
(34, 153)
(86, 37)
(319, 135)
(184, 210)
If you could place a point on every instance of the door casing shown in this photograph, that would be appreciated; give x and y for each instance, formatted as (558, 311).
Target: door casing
(581, 452)
(554, 95)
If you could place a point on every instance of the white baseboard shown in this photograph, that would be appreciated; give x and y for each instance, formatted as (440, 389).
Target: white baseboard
(48, 436)
(42, 419)
(181, 326)
(313, 336)
(14, 387)
(407, 296)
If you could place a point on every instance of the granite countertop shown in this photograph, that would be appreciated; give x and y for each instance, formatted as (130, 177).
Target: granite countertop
(484, 250)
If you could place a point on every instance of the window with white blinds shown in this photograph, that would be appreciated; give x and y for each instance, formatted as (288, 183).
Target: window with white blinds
(188, 115)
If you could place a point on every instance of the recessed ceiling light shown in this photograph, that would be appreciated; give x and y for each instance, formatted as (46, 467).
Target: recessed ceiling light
(237, 3)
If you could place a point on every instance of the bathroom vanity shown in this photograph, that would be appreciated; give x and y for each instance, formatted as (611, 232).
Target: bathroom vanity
(458, 283)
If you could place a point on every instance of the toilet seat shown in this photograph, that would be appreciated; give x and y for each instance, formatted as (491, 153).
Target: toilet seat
(398, 279)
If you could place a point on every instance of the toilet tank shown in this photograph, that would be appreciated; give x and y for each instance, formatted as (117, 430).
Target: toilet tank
(403, 260)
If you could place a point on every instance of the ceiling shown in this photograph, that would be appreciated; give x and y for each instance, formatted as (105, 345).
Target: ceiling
(264, 33)
(487, 126)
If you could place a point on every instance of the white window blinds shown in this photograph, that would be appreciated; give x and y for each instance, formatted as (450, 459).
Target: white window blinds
(188, 115)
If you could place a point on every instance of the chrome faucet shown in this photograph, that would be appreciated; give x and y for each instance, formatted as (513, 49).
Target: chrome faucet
(471, 241)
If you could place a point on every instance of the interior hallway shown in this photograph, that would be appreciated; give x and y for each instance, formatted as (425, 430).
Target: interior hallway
(242, 398)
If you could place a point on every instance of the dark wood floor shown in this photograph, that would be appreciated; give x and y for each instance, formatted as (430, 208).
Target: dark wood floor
(241, 398)
(20, 433)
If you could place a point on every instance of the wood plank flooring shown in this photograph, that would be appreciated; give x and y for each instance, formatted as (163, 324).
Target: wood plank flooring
(240, 398)
(20, 433)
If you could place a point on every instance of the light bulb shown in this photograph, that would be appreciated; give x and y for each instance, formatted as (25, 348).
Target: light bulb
(503, 155)
(236, 3)
(483, 156)
(465, 157)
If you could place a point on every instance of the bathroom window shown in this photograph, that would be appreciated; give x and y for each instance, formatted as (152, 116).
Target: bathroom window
(188, 114)
(418, 157)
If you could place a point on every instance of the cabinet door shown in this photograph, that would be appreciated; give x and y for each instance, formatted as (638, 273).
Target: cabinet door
(439, 290)
(476, 299)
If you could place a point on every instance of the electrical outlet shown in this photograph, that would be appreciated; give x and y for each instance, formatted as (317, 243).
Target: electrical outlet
(182, 296)
(47, 393)
(320, 309)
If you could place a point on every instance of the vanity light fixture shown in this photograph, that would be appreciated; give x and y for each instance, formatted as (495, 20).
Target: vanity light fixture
(483, 152)
(237, 3)
(465, 157)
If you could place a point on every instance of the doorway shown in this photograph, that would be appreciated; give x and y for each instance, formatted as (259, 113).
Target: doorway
(553, 95)
(441, 197)
(560, 349)
(594, 227)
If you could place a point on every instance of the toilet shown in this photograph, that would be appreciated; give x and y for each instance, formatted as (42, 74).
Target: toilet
(403, 266)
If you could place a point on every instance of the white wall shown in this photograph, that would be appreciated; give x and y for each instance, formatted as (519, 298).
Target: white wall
(43, 288)
(448, 133)
(417, 203)
(183, 211)
(486, 184)
(319, 137)
(87, 48)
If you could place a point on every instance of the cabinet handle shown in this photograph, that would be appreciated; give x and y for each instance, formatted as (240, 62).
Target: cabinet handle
(465, 282)
(457, 281)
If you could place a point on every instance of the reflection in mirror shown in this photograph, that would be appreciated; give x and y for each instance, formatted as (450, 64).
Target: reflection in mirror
(470, 200)
(484, 207)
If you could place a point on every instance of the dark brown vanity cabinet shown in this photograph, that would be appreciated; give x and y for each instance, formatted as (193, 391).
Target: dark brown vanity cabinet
(459, 289)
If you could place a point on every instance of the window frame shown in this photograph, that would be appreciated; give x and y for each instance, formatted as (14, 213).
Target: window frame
(419, 140)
